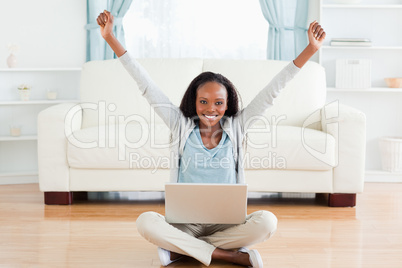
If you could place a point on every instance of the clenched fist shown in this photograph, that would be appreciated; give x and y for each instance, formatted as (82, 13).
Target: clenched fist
(316, 34)
(105, 21)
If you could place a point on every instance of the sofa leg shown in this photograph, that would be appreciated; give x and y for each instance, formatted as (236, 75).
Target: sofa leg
(58, 198)
(342, 200)
(80, 196)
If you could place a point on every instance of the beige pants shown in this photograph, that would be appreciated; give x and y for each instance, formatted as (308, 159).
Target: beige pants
(200, 240)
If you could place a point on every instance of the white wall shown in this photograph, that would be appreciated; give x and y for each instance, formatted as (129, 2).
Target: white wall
(50, 33)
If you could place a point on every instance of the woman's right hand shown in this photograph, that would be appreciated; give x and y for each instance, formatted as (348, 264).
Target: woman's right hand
(105, 21)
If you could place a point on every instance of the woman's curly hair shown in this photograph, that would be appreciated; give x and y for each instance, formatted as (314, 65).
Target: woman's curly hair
(188, 105)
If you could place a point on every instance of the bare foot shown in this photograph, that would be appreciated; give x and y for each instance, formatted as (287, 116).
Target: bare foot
(242, 258)
(175, 256)
(237, 257)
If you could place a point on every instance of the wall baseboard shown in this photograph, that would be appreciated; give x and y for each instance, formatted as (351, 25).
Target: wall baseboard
(382, 176)
(6, 180)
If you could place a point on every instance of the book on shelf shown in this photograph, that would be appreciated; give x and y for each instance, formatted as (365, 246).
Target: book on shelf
(362, 42)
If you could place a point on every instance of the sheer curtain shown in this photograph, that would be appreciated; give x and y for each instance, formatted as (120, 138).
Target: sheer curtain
(231, 29)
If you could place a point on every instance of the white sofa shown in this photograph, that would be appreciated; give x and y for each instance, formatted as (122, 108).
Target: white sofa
(113, 141)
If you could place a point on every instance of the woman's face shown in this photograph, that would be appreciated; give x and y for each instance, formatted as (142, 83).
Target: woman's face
(211, 103)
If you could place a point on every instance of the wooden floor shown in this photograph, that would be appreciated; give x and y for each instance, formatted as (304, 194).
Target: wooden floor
(102, 233)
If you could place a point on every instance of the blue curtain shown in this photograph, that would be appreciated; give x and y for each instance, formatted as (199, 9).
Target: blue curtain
(97, 48)
(287, 34)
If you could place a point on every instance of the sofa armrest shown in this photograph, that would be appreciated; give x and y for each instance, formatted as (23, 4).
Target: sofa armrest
(54, 123)
(348, 126)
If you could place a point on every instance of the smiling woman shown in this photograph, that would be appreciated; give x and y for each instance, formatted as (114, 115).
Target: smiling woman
(231, 29)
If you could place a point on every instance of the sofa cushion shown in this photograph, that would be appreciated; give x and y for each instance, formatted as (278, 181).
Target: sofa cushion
(90, 148)
(291, 148)
(282, 148)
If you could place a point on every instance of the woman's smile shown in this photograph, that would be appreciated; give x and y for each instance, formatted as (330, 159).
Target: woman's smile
(210, 117)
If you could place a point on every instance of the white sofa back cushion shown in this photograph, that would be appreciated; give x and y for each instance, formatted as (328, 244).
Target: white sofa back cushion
(106, 85)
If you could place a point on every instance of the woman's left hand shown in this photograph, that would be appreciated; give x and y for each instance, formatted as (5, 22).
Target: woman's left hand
(316, 35)
(105, 21)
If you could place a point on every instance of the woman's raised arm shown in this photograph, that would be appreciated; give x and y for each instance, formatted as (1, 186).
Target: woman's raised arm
(265, 98)
(169, 113)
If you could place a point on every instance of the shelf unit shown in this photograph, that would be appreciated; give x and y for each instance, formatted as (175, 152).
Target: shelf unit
(365, 90)
(32, 102)
(362, 48)
(378, 20)
(363, 6)
(23, 149)
(13, 70)
(19, 138)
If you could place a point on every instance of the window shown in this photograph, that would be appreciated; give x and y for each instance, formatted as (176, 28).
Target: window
(230, 29)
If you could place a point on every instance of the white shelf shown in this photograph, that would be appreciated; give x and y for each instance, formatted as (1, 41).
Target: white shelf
(380, 22)
(30, 102)
(363, 6)
(65, 80)
(365, 90)
(20, 138)
(363, 47)
(78, 69)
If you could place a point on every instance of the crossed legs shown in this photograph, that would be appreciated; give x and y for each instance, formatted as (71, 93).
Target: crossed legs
(205, 242)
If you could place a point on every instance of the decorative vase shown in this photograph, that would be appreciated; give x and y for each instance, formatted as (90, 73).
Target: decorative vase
(15, 130)
(12, 61)
(51, 95)
(24, 94)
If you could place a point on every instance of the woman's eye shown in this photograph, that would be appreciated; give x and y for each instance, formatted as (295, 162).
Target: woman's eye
(218, 103)
(203, 102)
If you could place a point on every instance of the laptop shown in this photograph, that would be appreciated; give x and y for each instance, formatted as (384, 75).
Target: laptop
(205, 203)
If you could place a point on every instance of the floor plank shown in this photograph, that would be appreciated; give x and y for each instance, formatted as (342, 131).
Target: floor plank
(101, 232)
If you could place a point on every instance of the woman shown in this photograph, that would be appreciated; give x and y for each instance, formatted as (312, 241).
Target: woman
(208, 124)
